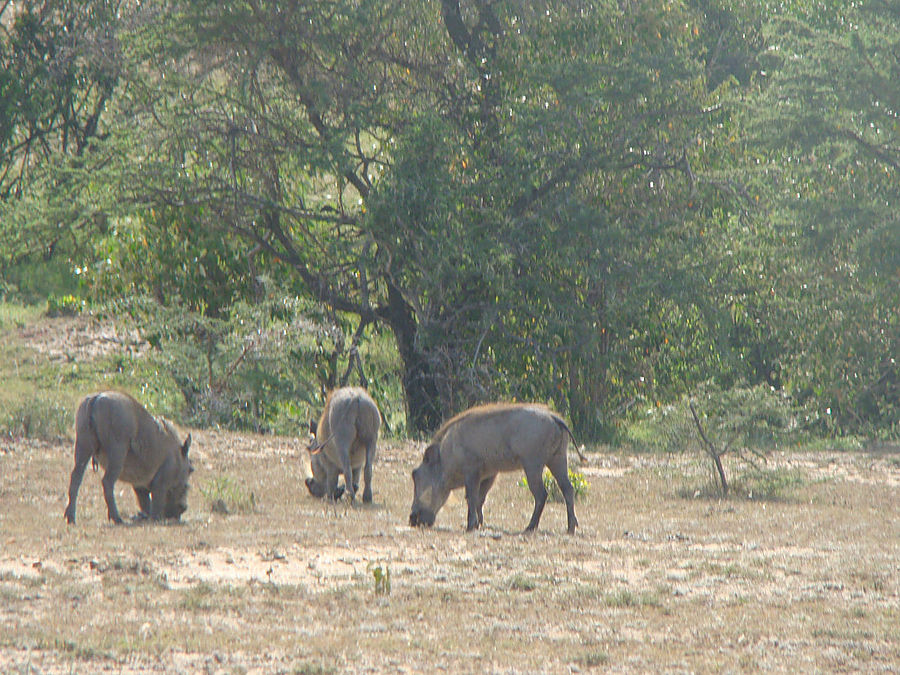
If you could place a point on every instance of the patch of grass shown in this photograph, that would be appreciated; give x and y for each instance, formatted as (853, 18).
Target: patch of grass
(767, 484)
(311, 669)
(625, 598)
(199, 598)
(592, 660)
(577, 479)
(37, 416)
(225, 495)
(13, 315)
(755, 484)
(521, 582)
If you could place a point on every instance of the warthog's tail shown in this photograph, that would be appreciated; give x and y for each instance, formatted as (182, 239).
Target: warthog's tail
(93, 428)
(565, 427)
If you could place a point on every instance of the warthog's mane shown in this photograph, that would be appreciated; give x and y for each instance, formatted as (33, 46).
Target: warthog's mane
(166, 426)
(485, 409)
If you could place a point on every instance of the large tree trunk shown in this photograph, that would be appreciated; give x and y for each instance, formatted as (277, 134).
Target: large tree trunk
(423, 407)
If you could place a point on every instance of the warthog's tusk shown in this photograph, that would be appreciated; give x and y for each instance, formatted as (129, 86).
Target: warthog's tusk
(317, 448)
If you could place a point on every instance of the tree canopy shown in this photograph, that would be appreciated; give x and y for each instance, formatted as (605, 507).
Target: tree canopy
(594, 204)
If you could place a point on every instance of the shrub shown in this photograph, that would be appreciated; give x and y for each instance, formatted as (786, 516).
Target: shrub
(577, 479)
(63, 305)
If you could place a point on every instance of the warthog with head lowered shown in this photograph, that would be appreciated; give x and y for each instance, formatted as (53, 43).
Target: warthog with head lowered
(473, 447)
(344, 442)
(114, 430)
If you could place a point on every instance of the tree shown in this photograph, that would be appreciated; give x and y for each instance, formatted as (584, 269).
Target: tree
(59, 68)
(827, 119)
(523, 193)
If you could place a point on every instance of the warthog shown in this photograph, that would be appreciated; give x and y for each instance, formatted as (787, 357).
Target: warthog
(114, 430)
(343, 442)
(472, 448)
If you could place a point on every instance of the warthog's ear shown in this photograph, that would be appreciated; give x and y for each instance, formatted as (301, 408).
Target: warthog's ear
(313, 427)
(186, 446)
(432, 454)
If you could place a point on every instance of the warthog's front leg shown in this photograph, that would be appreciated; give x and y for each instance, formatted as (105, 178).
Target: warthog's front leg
(342, 445)
(473, 500)
(483, 489)
(143, 498)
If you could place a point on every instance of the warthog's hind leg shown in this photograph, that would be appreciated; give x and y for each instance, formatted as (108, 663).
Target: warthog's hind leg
(534, 476)
(116, 460)
(560, 469)
(82, 457)
(367, 472)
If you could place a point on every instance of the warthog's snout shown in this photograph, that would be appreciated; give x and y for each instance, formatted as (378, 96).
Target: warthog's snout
(315, 488)
(421, 518)
(174, 511)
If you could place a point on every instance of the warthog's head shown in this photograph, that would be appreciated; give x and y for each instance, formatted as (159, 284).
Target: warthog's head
(429, 493)
(316, 483)
(176, 494)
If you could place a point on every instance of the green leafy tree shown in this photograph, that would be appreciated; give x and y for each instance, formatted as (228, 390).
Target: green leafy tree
(828, 121)
(518, 191)
(59, 69)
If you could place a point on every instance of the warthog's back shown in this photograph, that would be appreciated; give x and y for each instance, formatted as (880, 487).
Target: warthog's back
(350, 412)
(502, 434)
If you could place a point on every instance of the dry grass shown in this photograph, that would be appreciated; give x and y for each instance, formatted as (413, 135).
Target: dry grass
(651, 582)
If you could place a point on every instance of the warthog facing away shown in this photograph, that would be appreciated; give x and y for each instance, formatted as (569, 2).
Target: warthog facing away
(114, 430)
(344, 442)
(472, 448)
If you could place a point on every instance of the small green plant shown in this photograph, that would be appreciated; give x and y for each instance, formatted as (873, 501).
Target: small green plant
(226, 496)
(577, 479)
(381, 574)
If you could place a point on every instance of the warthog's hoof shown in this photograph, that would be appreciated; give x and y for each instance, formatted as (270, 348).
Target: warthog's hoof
(421, 519)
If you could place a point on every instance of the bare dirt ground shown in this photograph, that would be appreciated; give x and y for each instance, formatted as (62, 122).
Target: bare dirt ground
(651, 582)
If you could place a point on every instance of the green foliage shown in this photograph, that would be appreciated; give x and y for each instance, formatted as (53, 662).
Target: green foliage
(176, 256)
(593, 205)
(743, 422)
(226, 496)
(740, 418)
(576, 478)
(64, 305)
(264, 366)
(828, 122)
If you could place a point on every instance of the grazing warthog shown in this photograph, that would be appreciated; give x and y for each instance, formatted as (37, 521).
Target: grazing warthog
(343, 442)
(114, 430)
(472, 448)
